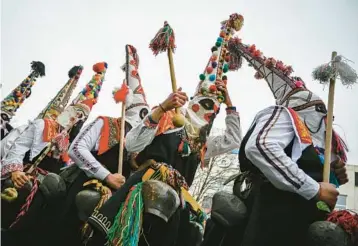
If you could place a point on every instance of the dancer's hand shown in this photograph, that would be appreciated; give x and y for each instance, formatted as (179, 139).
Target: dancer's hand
(222, 87)
(19, 179)
(328, 194)
(175, 100)
(115, 181)
(339, 168)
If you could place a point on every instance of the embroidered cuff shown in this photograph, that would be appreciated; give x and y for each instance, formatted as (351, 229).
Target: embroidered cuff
(9, 168)
(149, 122)
(231, 110)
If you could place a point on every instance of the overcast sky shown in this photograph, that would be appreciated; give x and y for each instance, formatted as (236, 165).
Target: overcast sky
(71, 32)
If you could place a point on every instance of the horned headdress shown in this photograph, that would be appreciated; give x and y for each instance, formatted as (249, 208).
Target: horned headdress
(289, 91)
(59, 102)
(205, 104)
(16, 98)
(133, 93)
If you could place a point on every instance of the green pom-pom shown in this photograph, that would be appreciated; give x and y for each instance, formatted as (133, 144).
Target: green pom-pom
(225, 69)
(221, 99)
(218, 44)
(202, 76)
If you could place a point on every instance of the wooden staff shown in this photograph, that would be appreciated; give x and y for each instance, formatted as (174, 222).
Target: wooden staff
(328, 143)
(163, 41)
(121, 138)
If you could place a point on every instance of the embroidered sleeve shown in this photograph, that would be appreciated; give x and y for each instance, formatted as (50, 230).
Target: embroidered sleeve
(13, 160)
(141, 135)
(217, 145)
(80, 151)
(265, 149)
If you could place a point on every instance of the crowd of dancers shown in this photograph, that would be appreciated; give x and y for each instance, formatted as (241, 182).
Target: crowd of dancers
(64, 183)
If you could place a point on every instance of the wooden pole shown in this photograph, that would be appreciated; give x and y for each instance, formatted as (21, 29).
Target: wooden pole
(172, 75)
(121, 138)
(328, 143)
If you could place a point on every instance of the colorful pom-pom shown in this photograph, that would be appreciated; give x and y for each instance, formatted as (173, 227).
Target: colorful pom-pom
(202, 77)
(213, 88)
(218, 44)
(226, 68)
(212, 77)
(209, 70)
(220, 39)
(214, 48)
(213, 58)
(120, 94)
(220, 99)
(215, 53)
(100, 67)
(299, 83)
(257, 53)
(227, 58)
(288, 70)
(214, 64)
(224, 77)
(270, 62)
(222, 34)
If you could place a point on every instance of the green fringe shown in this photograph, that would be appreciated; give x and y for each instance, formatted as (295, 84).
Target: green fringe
(126, 228)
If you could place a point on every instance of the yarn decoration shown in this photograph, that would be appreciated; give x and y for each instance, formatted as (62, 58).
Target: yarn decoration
(348, 221)
(337, 68)
(163, 40)
(120, 94)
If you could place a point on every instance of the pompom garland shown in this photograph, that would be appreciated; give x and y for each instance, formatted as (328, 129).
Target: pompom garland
(15, 99)
(221, 61)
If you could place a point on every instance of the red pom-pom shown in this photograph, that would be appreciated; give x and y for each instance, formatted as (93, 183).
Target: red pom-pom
(288, 70)
(121, 94)
(299, 83)
(222, 34)
(270, 62)
(280, 65)
(252, 48)
(257, 53)
(195, 107)
(213, 88)
(213, 58)
(99, 67)
(134, 72)
(209, 70)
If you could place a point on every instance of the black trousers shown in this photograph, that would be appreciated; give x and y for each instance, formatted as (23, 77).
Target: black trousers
(278, 217)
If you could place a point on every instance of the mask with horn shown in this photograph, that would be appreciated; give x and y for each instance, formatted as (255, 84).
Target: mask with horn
(205, 104)
(132, 92)
(289, 91)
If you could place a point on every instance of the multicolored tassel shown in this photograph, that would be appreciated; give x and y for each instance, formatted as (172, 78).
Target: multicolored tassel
(163, 40)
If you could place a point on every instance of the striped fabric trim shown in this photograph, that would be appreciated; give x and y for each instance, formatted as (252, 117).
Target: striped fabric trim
(274, 161)
(77, 153)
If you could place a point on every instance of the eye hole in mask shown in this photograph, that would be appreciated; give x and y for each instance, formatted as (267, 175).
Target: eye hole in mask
(207, 104)
(143, 112)
(321, 108)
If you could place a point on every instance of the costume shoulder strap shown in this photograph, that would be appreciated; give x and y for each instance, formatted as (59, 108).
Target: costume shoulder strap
(300, 128)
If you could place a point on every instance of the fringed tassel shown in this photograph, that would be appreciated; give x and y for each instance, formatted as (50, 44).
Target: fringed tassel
(127, 225)
(24, 208)
(163, 40)
(346, 220)
(337, 67)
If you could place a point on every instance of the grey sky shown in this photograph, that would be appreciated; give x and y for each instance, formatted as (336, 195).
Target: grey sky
(66, 33)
